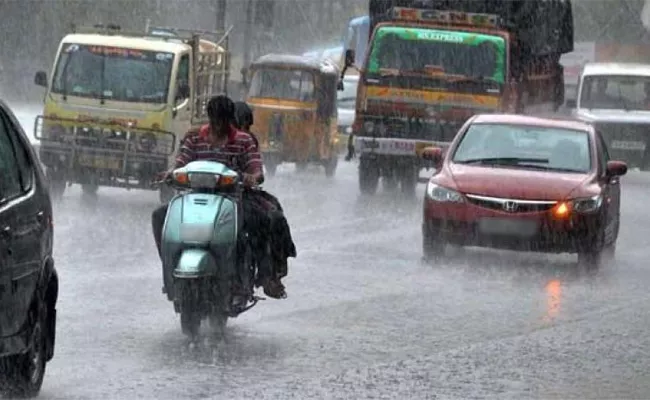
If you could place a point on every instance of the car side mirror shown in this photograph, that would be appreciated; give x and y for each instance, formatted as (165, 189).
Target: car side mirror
(433, 154)
(571, 103)
(616, 168)
(350, 57)
(40, 79)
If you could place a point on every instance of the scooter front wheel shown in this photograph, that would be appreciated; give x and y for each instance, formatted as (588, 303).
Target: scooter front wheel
(190, 313)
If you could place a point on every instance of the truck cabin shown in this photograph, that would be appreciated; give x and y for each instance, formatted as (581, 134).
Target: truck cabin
(297, 79)
(123, 69)
(472, 53)
(149, 68)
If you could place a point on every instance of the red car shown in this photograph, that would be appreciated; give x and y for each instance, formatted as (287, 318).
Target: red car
(524, 183)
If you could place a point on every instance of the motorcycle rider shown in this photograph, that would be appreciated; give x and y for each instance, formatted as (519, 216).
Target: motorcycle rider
(282, 245)
(221, 141)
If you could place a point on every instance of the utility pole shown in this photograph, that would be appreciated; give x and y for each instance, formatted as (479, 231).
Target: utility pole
(248, 34)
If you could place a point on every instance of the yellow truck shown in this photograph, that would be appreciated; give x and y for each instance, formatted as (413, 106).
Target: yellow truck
(119, 103)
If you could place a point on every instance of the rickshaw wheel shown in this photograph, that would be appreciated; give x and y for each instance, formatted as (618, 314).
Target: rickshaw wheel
(330, 166)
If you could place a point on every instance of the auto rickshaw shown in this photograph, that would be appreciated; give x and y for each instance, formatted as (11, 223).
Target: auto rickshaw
(294, 106)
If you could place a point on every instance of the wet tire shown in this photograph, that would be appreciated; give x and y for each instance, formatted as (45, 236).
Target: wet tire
(368, 176)
(189, 310)
(595, 257)
(22, 375)
(433, 248)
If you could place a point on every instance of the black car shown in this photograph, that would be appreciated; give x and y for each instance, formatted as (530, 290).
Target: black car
(28, 280)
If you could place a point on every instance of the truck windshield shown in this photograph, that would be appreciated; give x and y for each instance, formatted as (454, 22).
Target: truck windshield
(111, 73)
(285, 84)
(416, 50)
(615, 92)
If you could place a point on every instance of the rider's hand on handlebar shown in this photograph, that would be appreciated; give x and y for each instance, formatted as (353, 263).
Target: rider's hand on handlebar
(249, 180)
(163, 176)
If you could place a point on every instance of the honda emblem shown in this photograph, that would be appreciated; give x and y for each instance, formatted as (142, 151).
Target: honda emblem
(510, 206)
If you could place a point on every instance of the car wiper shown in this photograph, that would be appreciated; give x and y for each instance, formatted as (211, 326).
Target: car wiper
(503, 160)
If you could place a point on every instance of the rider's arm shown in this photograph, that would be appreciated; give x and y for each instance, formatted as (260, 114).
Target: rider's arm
(252, 160)
(186, 153)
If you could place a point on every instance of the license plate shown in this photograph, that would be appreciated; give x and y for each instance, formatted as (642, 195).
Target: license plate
(99, 162)
(628, 145)
(508, 227)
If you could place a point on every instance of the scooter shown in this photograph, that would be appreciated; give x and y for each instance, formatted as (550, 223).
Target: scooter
(208, 266)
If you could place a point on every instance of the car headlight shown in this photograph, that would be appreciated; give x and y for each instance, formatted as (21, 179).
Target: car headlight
(443, 194)
(588, 204)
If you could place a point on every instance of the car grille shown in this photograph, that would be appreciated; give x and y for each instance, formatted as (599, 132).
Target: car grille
(510, 205)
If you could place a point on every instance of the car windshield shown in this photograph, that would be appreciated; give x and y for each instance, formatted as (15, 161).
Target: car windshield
(616, 92)
(118, 74)
(347, 97)
(525, 147)
(476, 56)
(285, 84)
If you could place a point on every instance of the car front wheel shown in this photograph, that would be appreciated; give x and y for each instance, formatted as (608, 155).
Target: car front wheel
(433, 247)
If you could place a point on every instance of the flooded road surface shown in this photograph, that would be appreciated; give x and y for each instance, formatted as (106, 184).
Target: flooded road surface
(365, 318)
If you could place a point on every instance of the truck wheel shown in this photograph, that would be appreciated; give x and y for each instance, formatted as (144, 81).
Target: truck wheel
(368, 176)
(330, 166)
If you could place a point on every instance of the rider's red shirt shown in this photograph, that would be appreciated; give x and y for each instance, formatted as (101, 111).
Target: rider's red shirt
(239, 152)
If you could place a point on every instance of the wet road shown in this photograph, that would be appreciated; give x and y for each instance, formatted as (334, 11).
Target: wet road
(364, 318)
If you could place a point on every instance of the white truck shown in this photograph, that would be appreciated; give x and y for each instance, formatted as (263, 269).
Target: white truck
(615, 98)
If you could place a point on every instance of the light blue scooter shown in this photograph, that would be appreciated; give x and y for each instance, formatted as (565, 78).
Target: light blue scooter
(204, 249)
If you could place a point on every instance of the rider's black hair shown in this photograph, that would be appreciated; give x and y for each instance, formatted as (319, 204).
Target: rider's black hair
(221, 108)
(243, 114)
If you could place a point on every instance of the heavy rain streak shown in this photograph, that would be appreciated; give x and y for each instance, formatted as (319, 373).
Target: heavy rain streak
(465, 183)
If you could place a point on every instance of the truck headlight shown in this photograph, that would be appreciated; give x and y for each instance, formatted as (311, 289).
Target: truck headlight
(442, 194)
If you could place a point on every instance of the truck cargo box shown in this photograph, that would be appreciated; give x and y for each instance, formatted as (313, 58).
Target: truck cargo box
(542, 27)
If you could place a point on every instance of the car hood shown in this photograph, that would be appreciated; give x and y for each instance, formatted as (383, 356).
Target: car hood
(514, 183)
(619, 116)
